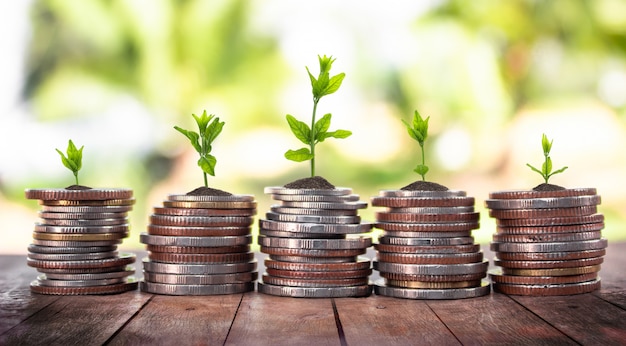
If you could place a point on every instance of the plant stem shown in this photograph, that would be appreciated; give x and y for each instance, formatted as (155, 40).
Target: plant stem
(76, 177)
(206, 182)
(423, 162)
(313, 135)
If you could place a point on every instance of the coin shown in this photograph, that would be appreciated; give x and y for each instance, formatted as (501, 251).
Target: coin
(80, 230)
(85, 223)
(197, 249)
(421, 193)
(195, 290)
(432, 269)
(79, 237)
(313, 218)
(280, 281)
(86, 209)
(549, 264)
(91, 194)
(425, 235)
(211, 205)
(198, 269)
(68, 250)
(315, 292)
(552, 229)
(106, 289)
(337, 274)
(447, 249)
(414, 293)
(551, 221)
(280, 234)
(326, 205)
(183, 258)
(203, 212)
(122, 260)
(427, 218)
(542, 194)
(315, 228)
(432, 210)
(71, 256)
(319, 244)
(189, 231)
(81, 216)
(497, 277)
(432, 285)
(281, 251)
(552, 271)
(279, 190)
(79, 204)
(215, 279)
(548, 290)
(403, 202)
(412, 258)
(311, 260)
(315, 198)
(543, 203)
(194, 241)
(208, 198)
(71, 244)
(427, 227)
(128, 271)
(546, 237)
(43, 281)
(361, 263)
(315, 212)
(550, 247)
(201, 221)
(433, 278)
(542, 213)
(389, 240)
(550, 256)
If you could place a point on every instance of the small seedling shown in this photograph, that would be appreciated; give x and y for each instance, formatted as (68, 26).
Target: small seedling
(546, 168)
(418, 130)
(318, 131)
(209, 127)
(74, 158)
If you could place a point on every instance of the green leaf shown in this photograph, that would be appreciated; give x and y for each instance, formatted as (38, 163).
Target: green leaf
(534, 169)
(299, 129)
(213, 130)
(421, 170)
(67, 163)
(546, 145)
(333, 84)
(325, 63)
(546, 168)
(321, 126)
(207, 163)
(299, 155)
(559, 171)
(192, 136)
(202, 121)
(337, 134)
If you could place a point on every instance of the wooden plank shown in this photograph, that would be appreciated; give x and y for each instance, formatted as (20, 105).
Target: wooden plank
(170, 320)
(495, 320)
(379, 320)
(613, 279)
(271, 320)
(586, 318)
(76, 320)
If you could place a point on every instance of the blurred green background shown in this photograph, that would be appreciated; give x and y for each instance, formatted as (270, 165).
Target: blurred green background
(116, 76)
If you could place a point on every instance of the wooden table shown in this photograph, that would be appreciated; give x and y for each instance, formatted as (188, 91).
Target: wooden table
(134, 318)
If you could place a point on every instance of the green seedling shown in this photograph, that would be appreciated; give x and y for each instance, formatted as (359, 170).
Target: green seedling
(418, 130)
(546, 168)
(209, 127)
(318, 131)
(73, 160)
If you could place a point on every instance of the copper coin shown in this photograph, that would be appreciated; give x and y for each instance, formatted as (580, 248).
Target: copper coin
(201, 221)
(68, 250)
(432, 210)
(312, 260)
(81, 216)
(280, 251)
(79, 237)
(429, 293)
(210, 205)
(316, 212)
(179, 258)
(203, 212)
(96, 270)
(330, 282)
(546, 237)
(542, 194)
(337, 274)
(427, 218)
(497, 277)
(449, 249)
(411, 258)
(280, 190)
(361, 263)
(78, 204)
(280, 234)
(321, 228)
(71, 256)
(552, 271)
(422, 193)
(542, 213)
(551, 221)
(431, 284)
(63, 243)
(209, 198)
(197, 231)
(550, 256)
(432, 269)
(123, 260)
(91, 194)
(89, 290)
(87, 209)
(590, 227)
(548, 290)
(447, 241)
(427, 227)
(316, 198)
(150, 239)
(403, 202)
(543, 203)
(198, 249)
(549, 264)
(428, 235)
(326, 205)
(550, 247)
(433, 278)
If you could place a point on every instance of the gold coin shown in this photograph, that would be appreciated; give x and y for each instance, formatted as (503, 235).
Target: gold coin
(552, 271)
(432, 285)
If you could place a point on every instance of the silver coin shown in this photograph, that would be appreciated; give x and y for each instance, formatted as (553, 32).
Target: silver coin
(432, 269)
(68, 250)
(315, 228)
(318, 260)
(279, 190)
(43, 281)
(315, 198)
(84, 223)
(419, 193)
(198, 269)
(82, 229)
(149, 239)
(315, 292)
(203, 198)
(208, 221)
(390, 240)
(86, 209)
(414, 293)
(544, 203)
(427, 227)
(359, 263)
(432, 210)
(71, 256)
(96, 270)
(128, 271)
(313, 219)
(214, 279)
(122, 259)
(195, 290)
(81, 216)
(326, 205)
(73, 243)
(403, 234)
(314, 283)
(321, 244)
(280, 234)
(316, 212)
(550, 247)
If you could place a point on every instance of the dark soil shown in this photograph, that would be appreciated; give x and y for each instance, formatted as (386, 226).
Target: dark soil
(421, 185)
(78, 187)
(315, 182)
(548, 187)
(207, 191)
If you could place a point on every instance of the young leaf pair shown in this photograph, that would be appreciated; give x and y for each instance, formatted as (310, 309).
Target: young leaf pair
(546, 167)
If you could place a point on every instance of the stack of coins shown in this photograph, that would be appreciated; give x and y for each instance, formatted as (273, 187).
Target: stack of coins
(75, 243)
(547, 242)
(426, 250)
(200, 245)
(313, 241)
